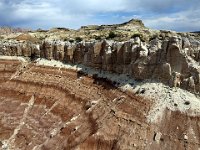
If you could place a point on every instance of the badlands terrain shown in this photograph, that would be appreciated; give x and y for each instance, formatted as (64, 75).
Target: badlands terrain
(108, 87)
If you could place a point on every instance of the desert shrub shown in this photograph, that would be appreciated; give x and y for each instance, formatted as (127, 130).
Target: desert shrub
(41, 38)
(142, 37)
(136, 35)
(97, 38)
(111, 35)
(78, 39)
(152, 38)
(65, 39)
(71, 41)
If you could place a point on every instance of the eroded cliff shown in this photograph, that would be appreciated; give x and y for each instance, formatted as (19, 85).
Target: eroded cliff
(173, 59)
(85, 93)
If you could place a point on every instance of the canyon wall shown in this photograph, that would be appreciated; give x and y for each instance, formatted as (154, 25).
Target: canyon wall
(100, 87)
(46, 108)
(173, 60)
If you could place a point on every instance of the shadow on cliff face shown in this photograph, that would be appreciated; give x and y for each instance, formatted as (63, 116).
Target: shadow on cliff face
(33, 57)
(104, 82)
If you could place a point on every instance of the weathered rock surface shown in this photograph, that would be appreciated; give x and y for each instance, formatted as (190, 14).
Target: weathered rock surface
(174, 60)
(59, 107)
(50, 108)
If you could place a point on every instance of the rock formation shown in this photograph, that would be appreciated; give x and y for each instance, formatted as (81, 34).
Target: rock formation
(168, 60)
(55, 108)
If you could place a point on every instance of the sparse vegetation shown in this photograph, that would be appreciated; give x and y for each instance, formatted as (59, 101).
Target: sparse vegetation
(97, 37)
(41, 38)
(152, 38)
(71, 40)
(78, 39)
(65, 39)
(141, 36)
(136, 35)
(28, 37)
(111, 35)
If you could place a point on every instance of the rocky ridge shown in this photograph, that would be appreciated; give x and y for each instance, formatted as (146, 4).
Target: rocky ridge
(169, 57)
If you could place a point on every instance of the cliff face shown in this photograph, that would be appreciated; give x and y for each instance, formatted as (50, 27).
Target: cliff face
(54, 108)
(173, 61)
(113, 92)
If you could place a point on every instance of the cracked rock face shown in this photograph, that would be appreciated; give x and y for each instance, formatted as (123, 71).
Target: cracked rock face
(100, 94)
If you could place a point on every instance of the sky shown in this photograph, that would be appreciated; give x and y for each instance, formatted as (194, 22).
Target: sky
(178, 15)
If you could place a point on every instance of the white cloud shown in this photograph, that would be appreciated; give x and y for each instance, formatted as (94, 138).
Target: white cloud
(181, 21)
